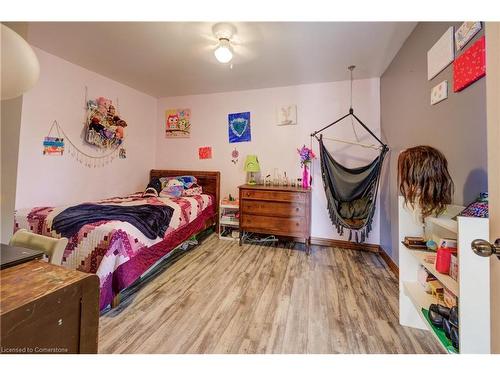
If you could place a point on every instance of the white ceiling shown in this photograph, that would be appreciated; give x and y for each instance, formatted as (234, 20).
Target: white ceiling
(176, 58)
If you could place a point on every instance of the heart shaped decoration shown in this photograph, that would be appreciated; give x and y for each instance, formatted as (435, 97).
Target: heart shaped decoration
(239, 126)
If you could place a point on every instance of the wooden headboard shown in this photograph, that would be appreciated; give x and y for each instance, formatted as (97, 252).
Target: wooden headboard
(210, 181)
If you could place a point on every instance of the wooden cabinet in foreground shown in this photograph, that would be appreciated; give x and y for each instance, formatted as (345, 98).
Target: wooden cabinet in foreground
(48, 309)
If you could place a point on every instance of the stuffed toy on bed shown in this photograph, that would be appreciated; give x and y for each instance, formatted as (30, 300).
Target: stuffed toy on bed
(173, 189)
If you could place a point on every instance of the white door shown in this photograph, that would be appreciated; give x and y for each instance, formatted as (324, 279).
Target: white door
(491, 247)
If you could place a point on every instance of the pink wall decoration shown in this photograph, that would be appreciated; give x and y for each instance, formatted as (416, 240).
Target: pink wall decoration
(470, 66)
(205, 152)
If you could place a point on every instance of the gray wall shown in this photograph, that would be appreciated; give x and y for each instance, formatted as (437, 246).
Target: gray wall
(456, 126)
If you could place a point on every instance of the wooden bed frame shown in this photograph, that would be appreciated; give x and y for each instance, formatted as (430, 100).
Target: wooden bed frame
(209, 181)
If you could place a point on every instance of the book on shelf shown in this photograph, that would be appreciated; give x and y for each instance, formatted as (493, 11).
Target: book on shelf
(230, 219)
(417, 243)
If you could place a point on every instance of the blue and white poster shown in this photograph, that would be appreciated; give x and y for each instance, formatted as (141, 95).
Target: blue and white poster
(239, 127)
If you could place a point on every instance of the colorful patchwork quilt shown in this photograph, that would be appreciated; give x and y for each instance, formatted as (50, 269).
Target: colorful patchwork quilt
(117, 251)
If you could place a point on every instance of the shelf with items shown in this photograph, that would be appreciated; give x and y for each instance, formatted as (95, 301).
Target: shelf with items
(446, 280)
(230, 223)
(422, 300)
(445, 225)
(229, 205)
(229, 220)
(471, 287)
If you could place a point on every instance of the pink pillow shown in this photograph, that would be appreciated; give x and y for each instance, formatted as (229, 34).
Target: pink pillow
(195, 189)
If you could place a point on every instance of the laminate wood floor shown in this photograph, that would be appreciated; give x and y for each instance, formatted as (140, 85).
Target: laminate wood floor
(222, 298)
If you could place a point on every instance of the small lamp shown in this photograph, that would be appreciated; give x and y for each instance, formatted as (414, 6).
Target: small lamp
(252, 166)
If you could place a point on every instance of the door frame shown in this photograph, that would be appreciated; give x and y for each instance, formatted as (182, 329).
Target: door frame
(492, 31)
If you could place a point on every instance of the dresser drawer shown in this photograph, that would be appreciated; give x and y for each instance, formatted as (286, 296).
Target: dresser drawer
(274, 225)
(282, 196)
(266, 208)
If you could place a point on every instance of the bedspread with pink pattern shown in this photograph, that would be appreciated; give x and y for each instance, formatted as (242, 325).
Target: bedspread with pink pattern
(115, 250)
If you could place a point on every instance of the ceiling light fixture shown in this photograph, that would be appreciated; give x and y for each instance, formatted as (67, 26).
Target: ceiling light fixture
(224, 51)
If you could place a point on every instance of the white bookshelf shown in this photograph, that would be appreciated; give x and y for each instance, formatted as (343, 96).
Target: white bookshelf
(472, 287)
(226, 220)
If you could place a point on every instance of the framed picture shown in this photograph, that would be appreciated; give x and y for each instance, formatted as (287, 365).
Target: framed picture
(205, 152)
(178, 123)
(239, 127)
(465, 33)
(286, 115)
(439, 92)
(53, 146)
(441, 54)
(470, 65)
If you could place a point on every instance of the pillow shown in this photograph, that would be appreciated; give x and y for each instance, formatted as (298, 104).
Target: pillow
(153, 188)
(195, 189)
(163, 181)
(150, 192)
(356, 209)
(173, 189)
(187, 181)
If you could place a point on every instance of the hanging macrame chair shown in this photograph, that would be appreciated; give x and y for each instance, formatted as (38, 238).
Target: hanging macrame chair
(351, 193)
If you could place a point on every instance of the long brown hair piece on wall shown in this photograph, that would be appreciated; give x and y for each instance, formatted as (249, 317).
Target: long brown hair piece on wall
(424, 179)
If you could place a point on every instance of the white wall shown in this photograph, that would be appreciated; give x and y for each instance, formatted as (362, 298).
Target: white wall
(317, 105)
(10, 131)
(59, 95)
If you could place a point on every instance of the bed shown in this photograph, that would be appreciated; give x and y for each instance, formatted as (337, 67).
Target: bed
(117, 251)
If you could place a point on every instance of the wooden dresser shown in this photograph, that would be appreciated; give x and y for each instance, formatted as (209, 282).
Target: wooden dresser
(278, 210)
(46, 308)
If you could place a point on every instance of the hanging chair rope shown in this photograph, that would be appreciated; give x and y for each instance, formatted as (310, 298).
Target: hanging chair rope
(375, 147)
(351, 68)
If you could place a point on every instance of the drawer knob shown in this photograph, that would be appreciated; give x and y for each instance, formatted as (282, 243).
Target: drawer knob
(297, 209)
(297, 224)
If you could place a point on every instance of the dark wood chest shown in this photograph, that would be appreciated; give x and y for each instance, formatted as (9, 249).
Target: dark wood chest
(46, 308)
(278, 210)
